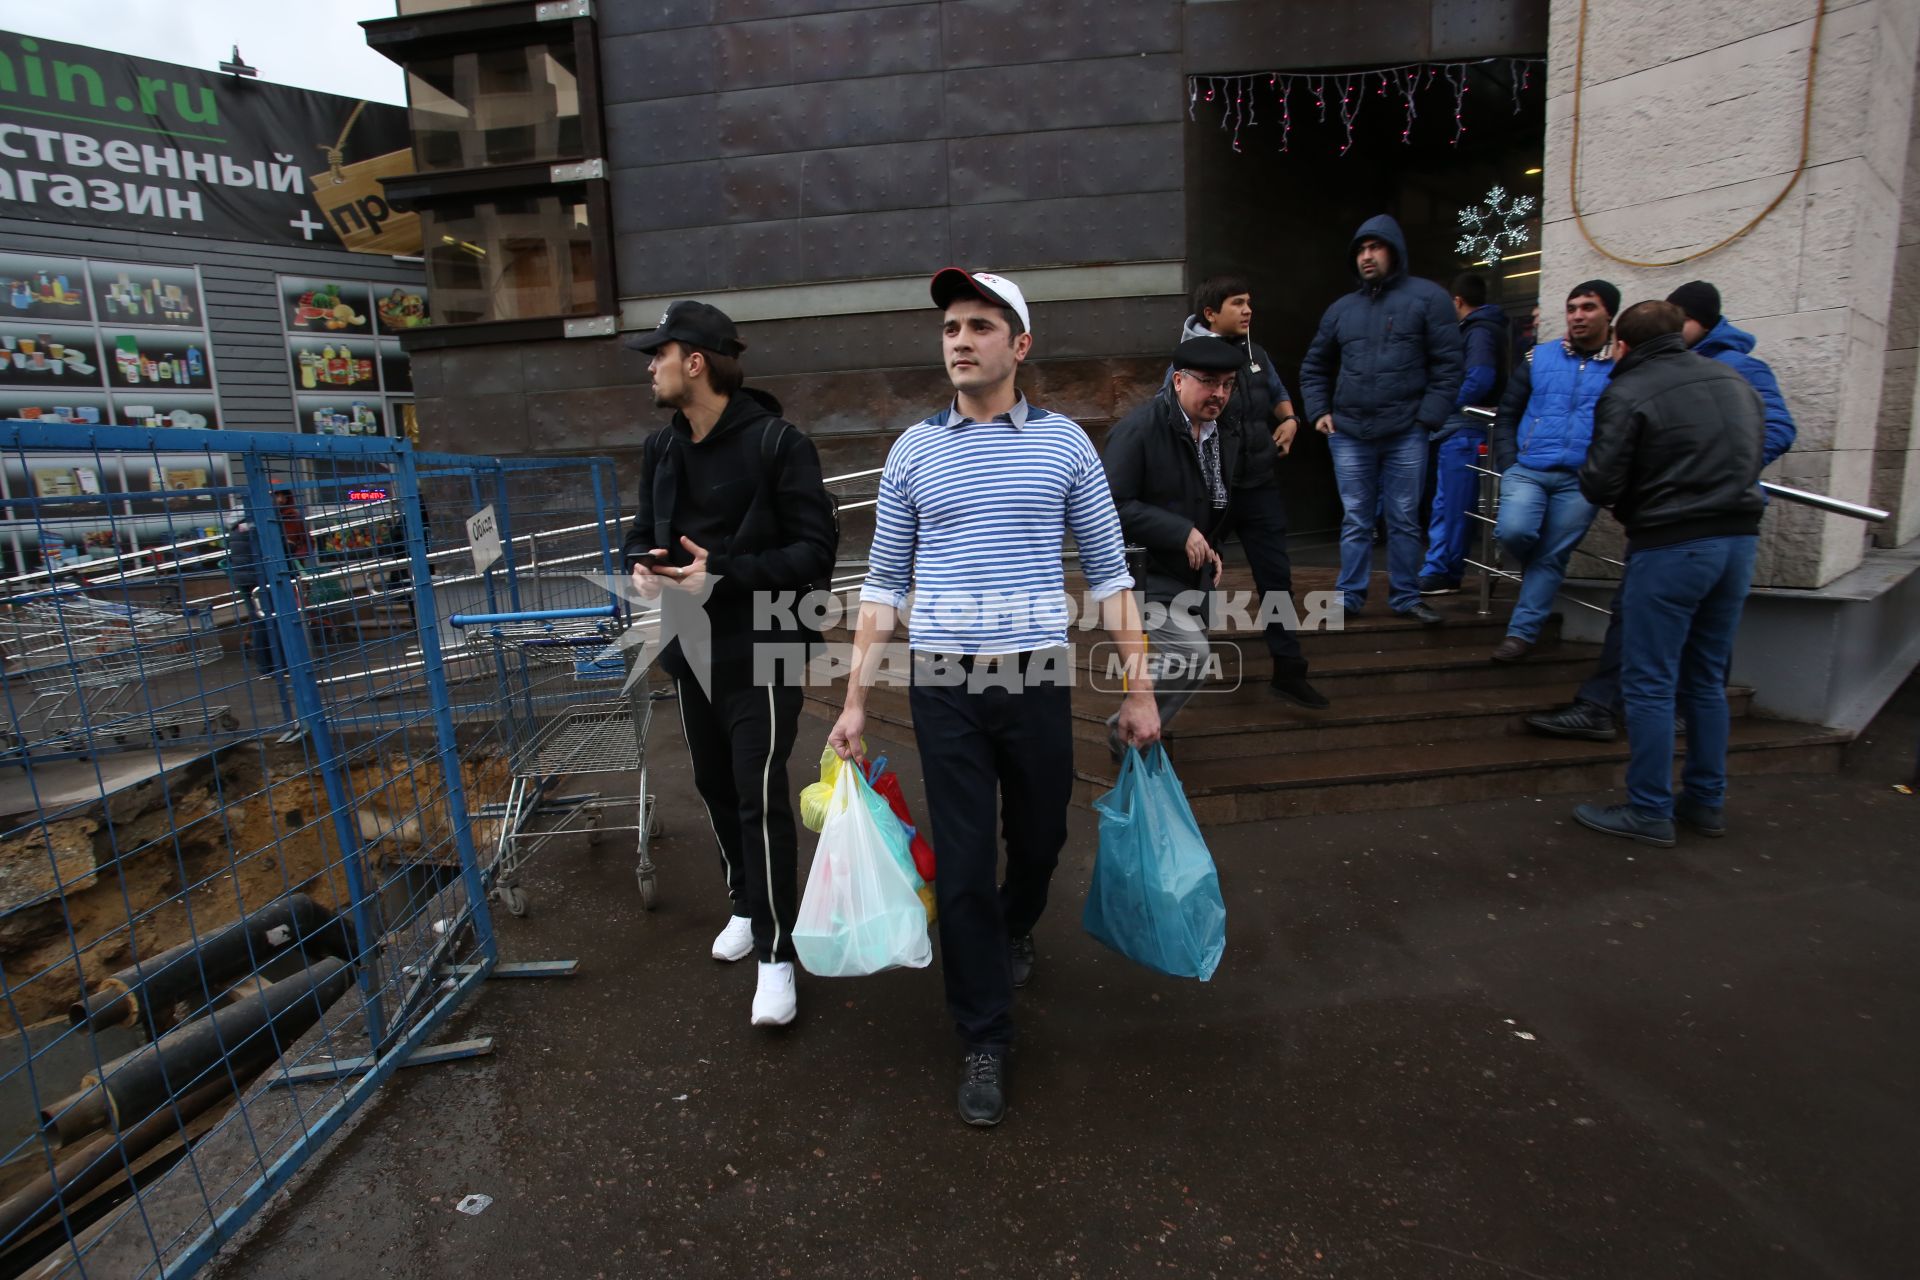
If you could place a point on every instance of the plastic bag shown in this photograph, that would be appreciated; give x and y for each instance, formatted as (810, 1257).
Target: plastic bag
(815, 795)
(1155, 896)
(887, 783)
(889, 808)
(860, 912)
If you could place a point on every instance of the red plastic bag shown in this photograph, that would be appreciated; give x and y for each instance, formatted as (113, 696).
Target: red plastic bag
(887, 786)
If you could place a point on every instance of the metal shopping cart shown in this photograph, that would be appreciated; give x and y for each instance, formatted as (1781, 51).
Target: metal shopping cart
(563, 713)
(107, 674)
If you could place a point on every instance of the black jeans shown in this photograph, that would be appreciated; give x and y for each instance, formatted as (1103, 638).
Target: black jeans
(739, 741)
(976, 740)
(1259, 516)
(1602, 686)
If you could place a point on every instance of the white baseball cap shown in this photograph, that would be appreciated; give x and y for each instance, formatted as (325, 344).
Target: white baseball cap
(1001, 292)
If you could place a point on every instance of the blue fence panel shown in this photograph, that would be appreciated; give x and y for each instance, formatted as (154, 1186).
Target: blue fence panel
(253, 792)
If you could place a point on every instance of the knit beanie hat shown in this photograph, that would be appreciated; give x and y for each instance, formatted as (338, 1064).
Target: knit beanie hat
(1700, 300)
(1608, 294)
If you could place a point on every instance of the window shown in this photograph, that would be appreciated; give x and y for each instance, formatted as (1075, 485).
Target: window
(510, 257)
(510, 183)
(502, 106)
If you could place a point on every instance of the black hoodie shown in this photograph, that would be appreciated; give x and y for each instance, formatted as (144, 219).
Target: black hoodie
(761, 512)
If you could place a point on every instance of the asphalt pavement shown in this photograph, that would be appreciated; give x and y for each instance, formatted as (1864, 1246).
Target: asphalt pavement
(1466, 1042)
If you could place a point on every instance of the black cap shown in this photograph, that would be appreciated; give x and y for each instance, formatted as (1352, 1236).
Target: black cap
(1700, 300)
(1605, 290)
(1209, 355)
(697, 325)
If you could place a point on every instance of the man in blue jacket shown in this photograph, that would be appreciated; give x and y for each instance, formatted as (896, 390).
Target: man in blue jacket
(1538, 442)
(1483, 328)
(1591, 713)
(1383, 370)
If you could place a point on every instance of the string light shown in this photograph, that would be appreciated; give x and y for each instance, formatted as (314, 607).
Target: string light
(1406, 81)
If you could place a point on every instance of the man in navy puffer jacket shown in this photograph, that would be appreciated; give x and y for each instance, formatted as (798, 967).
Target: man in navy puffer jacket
(1382, 372)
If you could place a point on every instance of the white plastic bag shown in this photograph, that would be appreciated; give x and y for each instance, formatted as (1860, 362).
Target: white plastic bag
(860, 913)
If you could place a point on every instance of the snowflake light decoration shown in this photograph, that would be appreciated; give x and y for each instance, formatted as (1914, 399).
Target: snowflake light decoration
(1499, 222)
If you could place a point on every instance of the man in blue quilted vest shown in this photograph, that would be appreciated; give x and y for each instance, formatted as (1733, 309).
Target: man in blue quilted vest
(1537, 443)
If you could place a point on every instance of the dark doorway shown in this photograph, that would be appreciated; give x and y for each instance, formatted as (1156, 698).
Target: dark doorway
(1285, 218)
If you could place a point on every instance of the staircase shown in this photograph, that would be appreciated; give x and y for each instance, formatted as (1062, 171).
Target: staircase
(1420, 716)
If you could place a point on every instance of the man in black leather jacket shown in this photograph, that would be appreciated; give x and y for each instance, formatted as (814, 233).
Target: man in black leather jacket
(1676, 454)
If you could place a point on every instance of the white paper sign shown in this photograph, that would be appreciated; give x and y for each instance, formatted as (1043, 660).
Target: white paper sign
(483, 535)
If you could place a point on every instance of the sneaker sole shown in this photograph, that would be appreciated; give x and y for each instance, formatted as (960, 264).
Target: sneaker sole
(759, 1021)
(1655, 841)
(1712, 833)
(1440, 591)
(724, 958)
(982, 1123)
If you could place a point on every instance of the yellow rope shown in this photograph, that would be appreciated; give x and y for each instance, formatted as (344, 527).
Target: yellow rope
(1573, 160)
(337, 153)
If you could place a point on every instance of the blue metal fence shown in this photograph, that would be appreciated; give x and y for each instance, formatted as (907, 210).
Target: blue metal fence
(244, 780)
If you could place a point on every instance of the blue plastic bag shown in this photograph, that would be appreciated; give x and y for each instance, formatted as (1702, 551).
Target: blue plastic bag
(1156, 896)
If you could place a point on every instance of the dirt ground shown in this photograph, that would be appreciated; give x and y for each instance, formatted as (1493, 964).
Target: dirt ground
(199, 848)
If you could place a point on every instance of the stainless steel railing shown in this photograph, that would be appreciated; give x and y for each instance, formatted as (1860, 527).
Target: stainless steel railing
(1488, 513)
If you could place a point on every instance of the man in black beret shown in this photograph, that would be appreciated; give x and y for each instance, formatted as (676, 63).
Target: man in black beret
(1171, 470)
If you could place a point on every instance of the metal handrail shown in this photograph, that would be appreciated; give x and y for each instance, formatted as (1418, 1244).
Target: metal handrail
(1820, 501)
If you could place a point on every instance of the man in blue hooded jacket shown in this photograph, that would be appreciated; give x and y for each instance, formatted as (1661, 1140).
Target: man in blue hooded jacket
(1483, 328)
(1538, 442)
(1381, 373)
(1591, 713)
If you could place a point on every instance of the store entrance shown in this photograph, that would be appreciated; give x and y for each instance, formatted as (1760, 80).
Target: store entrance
(1282, 206)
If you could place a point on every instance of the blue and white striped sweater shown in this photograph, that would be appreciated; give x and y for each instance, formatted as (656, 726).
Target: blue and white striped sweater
(971, 518)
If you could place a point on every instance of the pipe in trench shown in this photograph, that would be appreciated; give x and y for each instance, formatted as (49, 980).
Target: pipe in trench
(245, 1034)
(91, 1165)
(201, 969)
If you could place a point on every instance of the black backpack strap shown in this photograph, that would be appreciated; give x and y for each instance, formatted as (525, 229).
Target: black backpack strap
(770, 441)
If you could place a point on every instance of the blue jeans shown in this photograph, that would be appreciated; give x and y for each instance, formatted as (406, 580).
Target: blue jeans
(1542, 518)
(1380, 475)
(1456, 491)
(1680, 608)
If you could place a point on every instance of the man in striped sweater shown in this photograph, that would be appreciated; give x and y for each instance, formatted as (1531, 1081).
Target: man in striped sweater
(973, 505)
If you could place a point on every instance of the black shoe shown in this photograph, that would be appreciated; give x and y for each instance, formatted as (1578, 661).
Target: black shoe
(1707, 820)
(1423, 613)
(983, 1089)
(1577, 720)
(1433, 586)
(1296, 690)
(1021, 949)
(1625, 820)
(1512, 649)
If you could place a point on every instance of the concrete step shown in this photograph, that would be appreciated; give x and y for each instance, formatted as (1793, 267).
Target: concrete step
(1255, 788)
(1555, 671)
(1210, 731)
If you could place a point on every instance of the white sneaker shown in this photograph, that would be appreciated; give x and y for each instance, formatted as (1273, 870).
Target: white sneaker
(774, 1001)
(735, 941)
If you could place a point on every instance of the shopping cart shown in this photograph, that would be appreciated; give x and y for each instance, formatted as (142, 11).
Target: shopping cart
(560, 719)
(99, 672)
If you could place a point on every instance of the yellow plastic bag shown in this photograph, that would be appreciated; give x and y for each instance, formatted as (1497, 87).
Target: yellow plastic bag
(814, 796)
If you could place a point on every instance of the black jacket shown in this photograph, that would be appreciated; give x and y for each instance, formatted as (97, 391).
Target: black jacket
(1161, 494)
(1258, 393)
(1676, 447)
(763, 517)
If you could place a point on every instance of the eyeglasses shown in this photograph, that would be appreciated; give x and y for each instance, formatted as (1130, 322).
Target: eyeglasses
(1222, 383)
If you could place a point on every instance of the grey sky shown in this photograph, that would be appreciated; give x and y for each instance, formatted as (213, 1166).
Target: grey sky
(313, 44)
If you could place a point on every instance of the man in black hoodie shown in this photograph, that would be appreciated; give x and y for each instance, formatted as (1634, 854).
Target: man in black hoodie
(1676, 452)
(1260, 413)
(732, 508)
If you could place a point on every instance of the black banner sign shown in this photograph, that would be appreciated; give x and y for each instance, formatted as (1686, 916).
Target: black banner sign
(103, 139)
